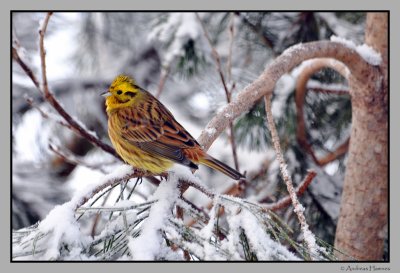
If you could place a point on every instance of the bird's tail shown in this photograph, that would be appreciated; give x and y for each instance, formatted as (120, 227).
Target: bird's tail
(222, 167)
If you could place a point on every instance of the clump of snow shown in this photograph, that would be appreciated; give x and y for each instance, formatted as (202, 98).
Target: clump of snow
(309, 237)
(366, 52)
(284, 171)
(176, 31)
(84, 192)
(265, 248)
(147, 245)
(64, 229)
(348, 43)
(283, 88)
(207, 230)
(369, 54)
(211, 131)
(299, 208)
(60, 225)
(29, 146)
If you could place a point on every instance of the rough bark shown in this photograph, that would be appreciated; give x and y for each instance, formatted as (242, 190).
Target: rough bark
(363, 216)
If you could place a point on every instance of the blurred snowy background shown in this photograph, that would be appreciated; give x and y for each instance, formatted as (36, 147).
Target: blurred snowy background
(168, 53)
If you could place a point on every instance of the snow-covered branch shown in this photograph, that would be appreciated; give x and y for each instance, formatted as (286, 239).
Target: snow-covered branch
(298, 208)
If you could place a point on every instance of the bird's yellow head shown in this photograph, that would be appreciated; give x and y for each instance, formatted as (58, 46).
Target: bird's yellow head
(123, 92)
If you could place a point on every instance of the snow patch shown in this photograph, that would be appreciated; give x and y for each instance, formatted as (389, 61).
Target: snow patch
(64, 229)
(60, 225)
(266, 249)
(369, 54)
(211, 131)
(82, 193)
(313, 84)
(147, 245)
(176, 31)
(366, 52)
(283, 88)
(299, 69)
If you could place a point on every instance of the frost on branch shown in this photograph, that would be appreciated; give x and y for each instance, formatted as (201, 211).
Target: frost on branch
(366, 52)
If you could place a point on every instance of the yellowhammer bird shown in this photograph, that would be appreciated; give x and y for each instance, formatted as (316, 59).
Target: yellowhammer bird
(146, 135)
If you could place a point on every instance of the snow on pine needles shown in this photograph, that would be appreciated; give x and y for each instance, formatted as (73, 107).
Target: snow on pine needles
(150, 229)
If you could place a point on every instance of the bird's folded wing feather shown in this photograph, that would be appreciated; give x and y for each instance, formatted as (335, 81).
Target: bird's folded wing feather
(161, 137)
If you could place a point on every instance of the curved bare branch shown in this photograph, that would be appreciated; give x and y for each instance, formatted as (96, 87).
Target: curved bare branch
(301, 91)
(265, 84)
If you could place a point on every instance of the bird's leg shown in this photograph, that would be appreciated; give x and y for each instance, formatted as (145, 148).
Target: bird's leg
(140, 174)
(163, 176)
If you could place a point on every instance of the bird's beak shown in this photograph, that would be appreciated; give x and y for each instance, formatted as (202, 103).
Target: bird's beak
(106, 94)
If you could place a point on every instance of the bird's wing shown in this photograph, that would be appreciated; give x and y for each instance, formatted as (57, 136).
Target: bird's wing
(163, 137)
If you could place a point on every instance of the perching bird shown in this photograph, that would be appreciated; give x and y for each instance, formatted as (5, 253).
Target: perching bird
(146, 135)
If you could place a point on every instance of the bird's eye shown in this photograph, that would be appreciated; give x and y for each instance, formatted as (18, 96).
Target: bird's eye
(119, 92)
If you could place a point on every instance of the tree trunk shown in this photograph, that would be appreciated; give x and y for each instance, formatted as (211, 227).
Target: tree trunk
(363, 217)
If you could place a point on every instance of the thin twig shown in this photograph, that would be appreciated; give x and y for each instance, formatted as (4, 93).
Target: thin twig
(228, 99)
(69, 157)
(235, 190)
(108, 183)
(42, 33)
(25, 67)
(215, 56)
(186, 183)
(329, 91)
(286, 201)
(163, 77)
(75, 127)
(97, 217)
(46, 115)
(298, 208)
(196, 208)
(259, 31)
(227, 92)
(231, 36)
